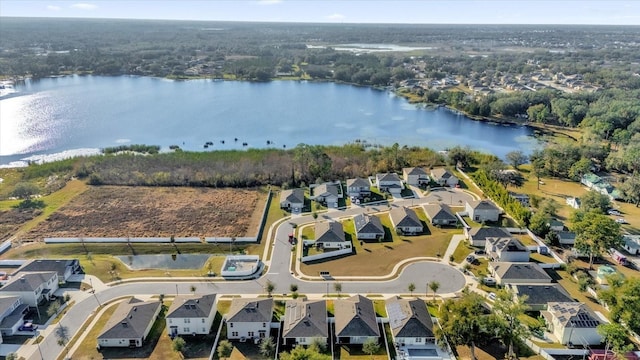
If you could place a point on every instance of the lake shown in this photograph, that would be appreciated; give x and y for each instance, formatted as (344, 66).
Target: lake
(84, 113)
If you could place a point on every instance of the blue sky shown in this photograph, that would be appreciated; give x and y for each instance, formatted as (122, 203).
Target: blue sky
(342, 11)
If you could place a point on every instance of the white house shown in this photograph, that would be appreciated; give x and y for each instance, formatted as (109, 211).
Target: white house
(415, 176)
(444, 177)
(479, 236)
(249, 318)
(482, 211)
(305, 322)
(191, 314)
(64, 267)
(506, 250)
(555, 225)
(33, 288)
(572, 323)
(410, 322)
(358, 187)
(355, 320)
(406, 220)
(330, 235)
(368, 227)
(440, 214)
(292, 199)
(631, 244)
(518, 273)
(327, 193)
(389, 182)
(12, 312)
(574, 202)
(130, 324)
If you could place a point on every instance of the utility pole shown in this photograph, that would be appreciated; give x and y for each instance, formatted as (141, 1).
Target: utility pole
(94, 292)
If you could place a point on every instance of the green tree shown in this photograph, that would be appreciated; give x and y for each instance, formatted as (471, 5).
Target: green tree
(293, 287)
(337, 287)
(371, 347)
(509, 312)
(516, 158)
(623, 300)
(631, 190)
(595, 233)
(595, 201)
(225, 348)
(538, 169)
(267, 347)
(434, 286)
(178, 344)
(538, 223)
(12, 356)
(25, 190)
(302, 353)
(579, 168)
(269, 287)
(53, 308)
(411, 288)
(616, 338)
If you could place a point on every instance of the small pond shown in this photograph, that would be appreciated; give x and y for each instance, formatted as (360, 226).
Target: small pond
(165, 261)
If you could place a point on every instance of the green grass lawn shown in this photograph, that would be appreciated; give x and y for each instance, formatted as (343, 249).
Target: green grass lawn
(462, 251)
(355, 352)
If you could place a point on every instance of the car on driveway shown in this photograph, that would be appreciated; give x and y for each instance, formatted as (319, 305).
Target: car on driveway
(613, 212)
(492, 296)
(28, 325)
(621, 221)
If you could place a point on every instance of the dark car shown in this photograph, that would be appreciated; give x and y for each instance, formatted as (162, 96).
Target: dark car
(28, 326)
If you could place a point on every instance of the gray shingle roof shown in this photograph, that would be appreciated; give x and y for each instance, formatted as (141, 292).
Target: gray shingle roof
(40, 265)
(305, 319)
(28, 281)
(358, 182)
(192, 306)
(388, 177)
(326, 190)
(130, 320)
(16, 315)
(530, 271)
(6, 302)
(250, 310)
(484, 233)
(414, 171)
(507, 244)
(355, 316)
(295, 196)
(368, 224)
(409, 318)
(439, 212)
(329, 232)
(402, 216)
(573, 314)
(541, 294)
(483, 205)
(441, 173)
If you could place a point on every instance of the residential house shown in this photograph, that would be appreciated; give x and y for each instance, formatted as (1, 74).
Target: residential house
(292, 199)
(368, 227)
(305, 322)
(130, 324)
(406, 220)
(389, 182)
(631, 244)
(191, 315)
(249, 318)
(537, 296)
(482, 211)
(522, 198)
(327, 193)
(64, 267)
(358, 188)
(518, 273)
(596, 183)
(440, 214)
(566, 237)
(330, 235)
(12, 312)
(444, 177)
(572, 323)
(506, 250)
(410, 322)
(574, 202)
(415, 176)
(33, 288)
(355, 320)
(555, 225)
(479, 236)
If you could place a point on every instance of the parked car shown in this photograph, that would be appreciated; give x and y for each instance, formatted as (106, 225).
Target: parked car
(621, 221)
(479, 252)
(492, 296)
(28, 325)
(471, 259)
(489, 281)
(613, 212)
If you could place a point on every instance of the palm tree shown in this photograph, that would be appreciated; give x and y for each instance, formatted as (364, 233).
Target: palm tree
(337, 287)
(411, 288)
(434, 286)
(269, 287)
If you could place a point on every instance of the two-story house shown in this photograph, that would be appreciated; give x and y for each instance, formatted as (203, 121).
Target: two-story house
(482, 211)
(249, 318)
(12, 312)
(64, 267)
(358, 188)
(33, 288)
(389, 182)
(191, 314)
(415, 176)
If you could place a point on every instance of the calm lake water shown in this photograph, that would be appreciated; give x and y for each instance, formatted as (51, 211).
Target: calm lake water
(89, 112)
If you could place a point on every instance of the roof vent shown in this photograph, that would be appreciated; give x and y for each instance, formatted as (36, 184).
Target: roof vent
(124, 324)
(135, 308)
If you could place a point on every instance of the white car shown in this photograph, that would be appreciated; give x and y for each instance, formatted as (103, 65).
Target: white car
(621, 221)
(613, 212)
(492, 296)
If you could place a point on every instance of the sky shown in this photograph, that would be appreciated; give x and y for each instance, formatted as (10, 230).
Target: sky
(590, 12)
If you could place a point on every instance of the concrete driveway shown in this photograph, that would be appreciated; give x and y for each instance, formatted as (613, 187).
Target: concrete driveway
(449, 196)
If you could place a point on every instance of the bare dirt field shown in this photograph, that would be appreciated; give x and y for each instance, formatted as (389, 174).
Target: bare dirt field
(114, 211)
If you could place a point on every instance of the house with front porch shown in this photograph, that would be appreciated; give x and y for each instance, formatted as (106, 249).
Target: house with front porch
(191, 315)
(130, 324)
(406, 221)
(358, 188)
(305, 322)
(249, 318)
(292, 200)
(368, 227)
(355, 320)
(415, 176)
(444, 177)
(33, 288)
(389, 182)
(482, 211)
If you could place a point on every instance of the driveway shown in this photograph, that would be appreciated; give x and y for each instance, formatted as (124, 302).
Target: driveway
(449, 196)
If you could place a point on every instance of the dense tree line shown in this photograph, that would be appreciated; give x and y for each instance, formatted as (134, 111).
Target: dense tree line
(498, 193)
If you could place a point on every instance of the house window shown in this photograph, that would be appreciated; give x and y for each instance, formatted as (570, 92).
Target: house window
(230, 324)
(250, 334)
(170, 321)
(264, 325)
(186, 329)
(418, 340)
(187, 321)
(203, 320)
(234, 333)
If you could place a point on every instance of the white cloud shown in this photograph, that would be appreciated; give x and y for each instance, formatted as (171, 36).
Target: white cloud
(335, 17)
(269, 2)
(84, 6)
(53, 8)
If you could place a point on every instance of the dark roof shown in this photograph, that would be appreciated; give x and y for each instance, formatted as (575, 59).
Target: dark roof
(192, 306)
(58, 265)
(568, 235)
(28, 281)
(541, 294)
(484, 233)
(530, 271)
(388, 177)
(250, 310)
(402, 216)
(441, 173)
(130, 320)
(329, 232)
(439, 212)
(483, 205)
(368, 224)
(305, 319)
(573, 314)
(293, 196)
(16, 315)
(325, 190)
(414, 171)
(355, 316)
(358, 182)
(6, 302)
(507, 244)
(409, 318)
